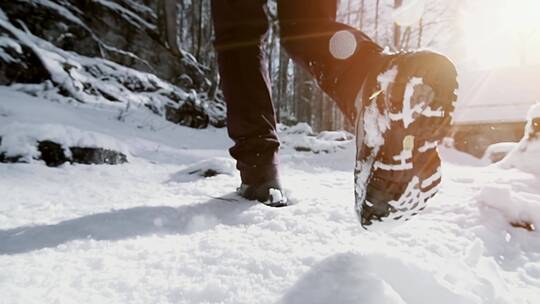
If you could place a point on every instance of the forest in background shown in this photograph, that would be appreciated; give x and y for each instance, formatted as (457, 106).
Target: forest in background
(297, 98)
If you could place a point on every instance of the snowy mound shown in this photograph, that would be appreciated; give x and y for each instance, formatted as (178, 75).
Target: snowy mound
(520, 209)
(301, 138)
(497, 152)
(344, 278)
(206, 168)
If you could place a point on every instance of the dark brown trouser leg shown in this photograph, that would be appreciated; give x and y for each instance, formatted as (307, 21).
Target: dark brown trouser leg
(240, 27)
(308, 33)
(337, 55)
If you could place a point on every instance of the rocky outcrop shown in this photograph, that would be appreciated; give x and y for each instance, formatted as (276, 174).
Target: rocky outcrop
(103, 51)
(18, 63)
(124, 32)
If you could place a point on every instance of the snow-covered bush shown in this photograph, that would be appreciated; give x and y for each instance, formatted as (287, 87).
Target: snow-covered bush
(526, 154)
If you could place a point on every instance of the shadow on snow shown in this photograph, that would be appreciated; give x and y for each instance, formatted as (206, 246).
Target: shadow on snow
(123, 224)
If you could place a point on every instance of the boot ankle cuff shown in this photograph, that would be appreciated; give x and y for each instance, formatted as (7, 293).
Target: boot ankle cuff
(259, 174)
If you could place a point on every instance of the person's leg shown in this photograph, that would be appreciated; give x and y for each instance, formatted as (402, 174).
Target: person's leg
(337, 55)
(240, 27)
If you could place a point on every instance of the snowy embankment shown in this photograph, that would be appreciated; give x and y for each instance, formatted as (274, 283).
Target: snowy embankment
(38, 67)
(157, 230)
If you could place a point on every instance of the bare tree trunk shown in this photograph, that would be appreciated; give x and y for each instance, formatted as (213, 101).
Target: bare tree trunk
(282, 84)
(180, 21)
(377, 5)
(362, 10)
(272, 52)
(215, 79)
(270, 55)
(406, 38)
(168, 21)
(397, 28)
(349, 11)
(420, 32)
(193, 28)
(201, 27)
(327, 113)
(317, 110)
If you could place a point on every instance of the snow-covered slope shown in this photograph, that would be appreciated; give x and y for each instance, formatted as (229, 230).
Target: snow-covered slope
(155, 230)
(111, 57)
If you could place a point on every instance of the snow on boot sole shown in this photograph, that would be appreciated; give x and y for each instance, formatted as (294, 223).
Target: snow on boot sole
(406, 110)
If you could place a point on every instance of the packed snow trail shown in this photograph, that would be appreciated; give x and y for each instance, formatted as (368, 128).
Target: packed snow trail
(151, 232)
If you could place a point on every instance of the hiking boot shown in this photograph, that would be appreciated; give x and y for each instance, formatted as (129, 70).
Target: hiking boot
(268, 193)
(405, 108)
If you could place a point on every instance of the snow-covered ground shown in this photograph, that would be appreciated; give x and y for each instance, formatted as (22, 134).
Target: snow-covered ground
(155, 230)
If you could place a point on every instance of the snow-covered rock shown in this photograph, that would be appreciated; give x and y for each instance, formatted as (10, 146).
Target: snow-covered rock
(57, 144)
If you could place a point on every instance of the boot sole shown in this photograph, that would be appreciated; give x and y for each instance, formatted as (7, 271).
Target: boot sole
(404, 117)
